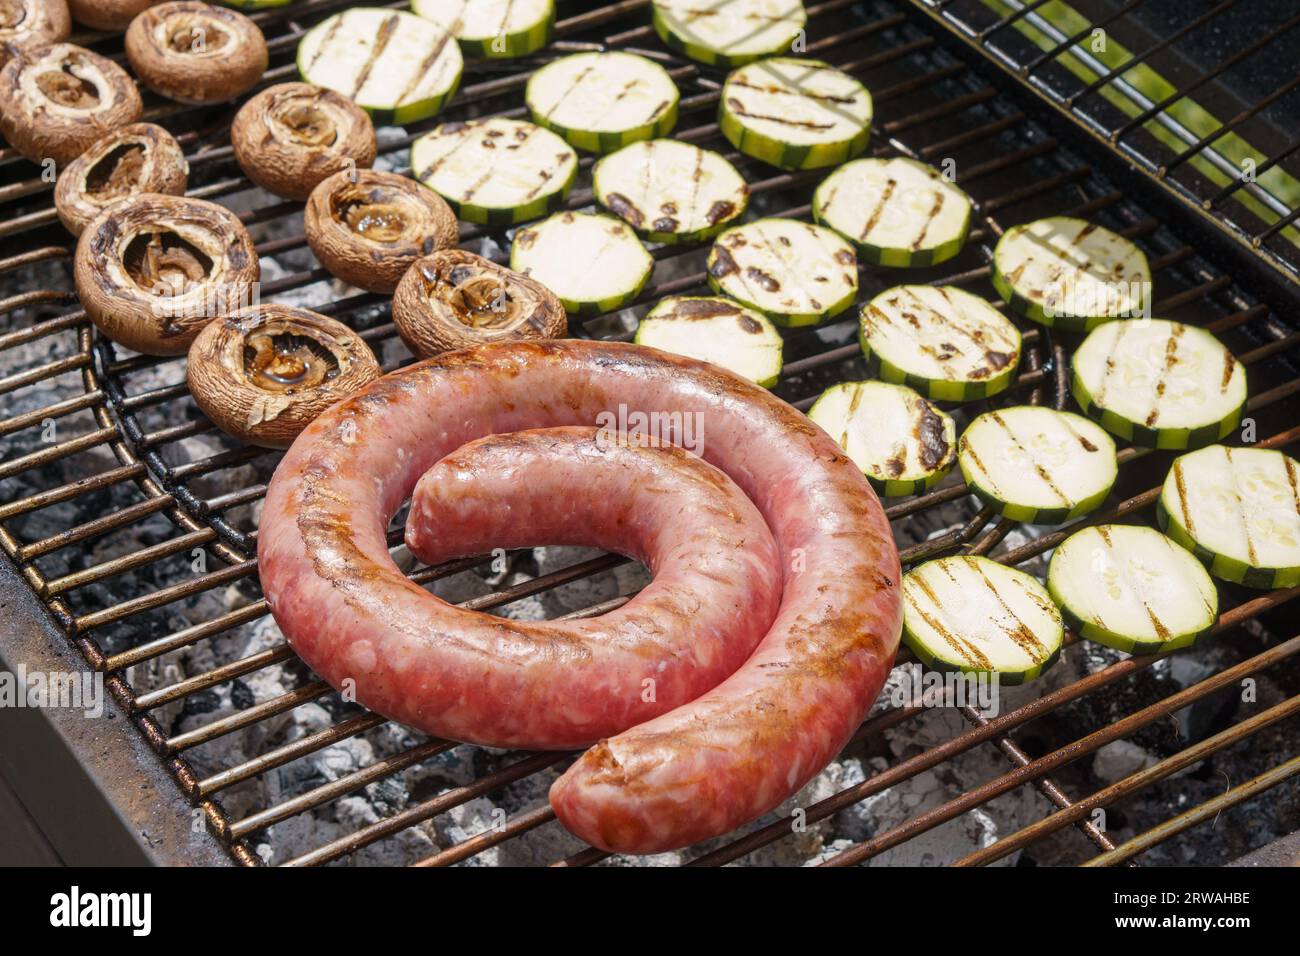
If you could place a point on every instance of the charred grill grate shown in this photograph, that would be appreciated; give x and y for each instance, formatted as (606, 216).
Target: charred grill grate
(86, 423)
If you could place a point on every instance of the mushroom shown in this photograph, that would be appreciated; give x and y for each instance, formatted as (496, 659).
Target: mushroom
(290, 136)
(111, 15)
(152, 270)
(194, 53)
(32, 22)
(264, 372)
(366, 227)
(57, 98)
(454, 299)
(140, 158)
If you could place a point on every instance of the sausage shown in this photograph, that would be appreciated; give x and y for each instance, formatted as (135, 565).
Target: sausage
(692, 773)
(715, 590)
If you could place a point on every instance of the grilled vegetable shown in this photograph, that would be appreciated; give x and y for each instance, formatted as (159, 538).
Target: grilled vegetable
(496, 29)
(594, 263)
(1071, 274)
(396, 66)
(495, 171)
(729, 33)
(670, 191)
(793, 272)
(902, 443)
(256, 4)
(898, 212)
(1132, 589)
(1158, 383)
(191, 52)
(796, 114)
(1038, 465)
(974, 615)
(717, 330)
(602, 101)
(945, 343)
(1238, 510)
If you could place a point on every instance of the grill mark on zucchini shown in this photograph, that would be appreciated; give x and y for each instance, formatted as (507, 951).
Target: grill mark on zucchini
(1181, 484)
(1021, 635)
(573, 87)
(963, 648)
(929, 434)
(934, 212)
(890, 185)
(1171, 359)
(1162, 632)
(802, 94)
(1110, 363)
(425, 66)
(382, 36)
(738, 109)
(1042, 472)
(1241, 511)
(1229, 366)
(325, 41)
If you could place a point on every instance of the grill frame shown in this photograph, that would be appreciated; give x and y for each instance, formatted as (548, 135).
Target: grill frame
(117, 414)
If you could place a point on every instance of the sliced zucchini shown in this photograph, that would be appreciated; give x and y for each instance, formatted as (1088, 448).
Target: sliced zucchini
(670, 191)
(601, 102)
(902, 443)
(729, 32)
(1132, 589)
(793, 272)
(1238, 510)
(1037, 465)
(717, 330)
(396, 66)
(974, 615)
(795, 114)
(947, 344)
(496, 29)
(495, 171)
(593, 262)
(1071, 274)
(898, 212)
(1158, 383)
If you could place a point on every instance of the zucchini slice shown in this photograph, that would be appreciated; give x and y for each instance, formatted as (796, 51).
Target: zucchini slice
(495, 171)
(593, 262)
(1132, 589)
(898, 212)
(793, 272)
(601, 102)
(1158, 383)
(496, 29)
(396, 66)
(670, 191)
(1071, 274)
(1238, 510)
(972, 614)
(795, 114)
(1037, 465)
(729, 32)
(717, 330)
(902, 443)
(946, 343)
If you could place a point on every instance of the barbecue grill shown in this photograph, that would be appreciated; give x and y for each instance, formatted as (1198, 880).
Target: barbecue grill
(129, 523)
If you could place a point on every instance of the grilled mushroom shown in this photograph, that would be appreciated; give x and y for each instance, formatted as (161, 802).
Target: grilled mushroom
(289, 137)
(367, 227)
(153, 270)
(56, 99)
(31, 22)
(140, 158)
(114, 15)
(194, 53)
(454, 299)
(264, 372)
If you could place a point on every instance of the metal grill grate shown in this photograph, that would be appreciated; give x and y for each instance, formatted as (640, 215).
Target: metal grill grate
(85, 423)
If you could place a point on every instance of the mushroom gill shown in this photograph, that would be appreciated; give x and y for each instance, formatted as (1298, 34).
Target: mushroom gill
(280, 361)
(164, 264)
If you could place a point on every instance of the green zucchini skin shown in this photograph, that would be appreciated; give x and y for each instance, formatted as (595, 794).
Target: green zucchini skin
(679, 37)
(524, 258)
(591, 138)
(755, 143)
(857, 177)
(501, 46)
(927, 301)
(1170, 516)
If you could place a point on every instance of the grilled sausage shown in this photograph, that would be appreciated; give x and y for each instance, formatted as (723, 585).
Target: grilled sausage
(692, 773)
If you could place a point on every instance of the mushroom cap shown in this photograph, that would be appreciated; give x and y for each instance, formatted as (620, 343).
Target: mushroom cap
(195, 53)
(367, 227)
(30, 22)
(111, 15)
(140, 158)
(290, 136)
(152, 270)
(454, 299)
(264, 372)
(58, 98)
